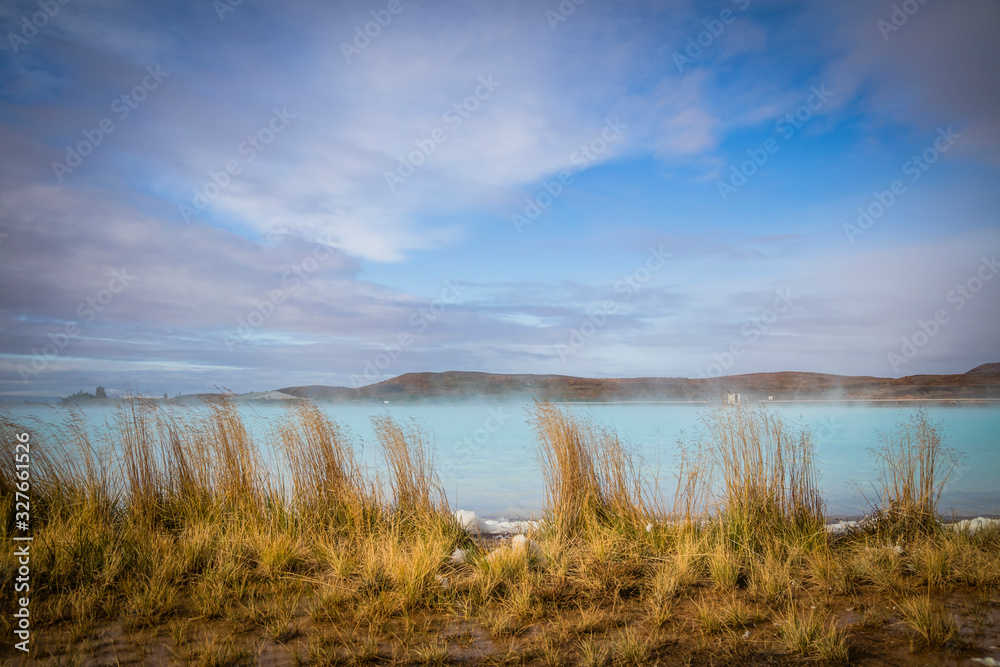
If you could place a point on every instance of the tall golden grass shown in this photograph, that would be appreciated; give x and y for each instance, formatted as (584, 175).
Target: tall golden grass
(177, 466)
(590, 477)
(173, 511)
(408, 451)
(767, 470)
(174, 465)
(914, 465)
(327, 481)
(180, 464)
(66, 470)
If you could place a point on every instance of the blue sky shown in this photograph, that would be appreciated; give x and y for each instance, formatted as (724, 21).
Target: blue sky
(624, 189)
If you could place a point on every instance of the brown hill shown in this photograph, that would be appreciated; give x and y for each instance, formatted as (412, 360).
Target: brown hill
(989, 369)
(979, 383)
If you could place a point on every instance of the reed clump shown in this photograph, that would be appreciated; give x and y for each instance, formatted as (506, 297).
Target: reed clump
(67, 472)
(177, 509)
(327, 481)
(416, 493)
(590, 476)
(768, 475)
(914, 466)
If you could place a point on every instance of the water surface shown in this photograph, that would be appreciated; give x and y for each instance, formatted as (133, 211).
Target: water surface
(486, 452)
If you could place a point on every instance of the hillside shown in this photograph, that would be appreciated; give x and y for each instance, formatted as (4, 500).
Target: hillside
(979, 383)
(986, 369)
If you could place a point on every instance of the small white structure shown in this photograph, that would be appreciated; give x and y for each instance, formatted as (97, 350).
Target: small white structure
(733, 399)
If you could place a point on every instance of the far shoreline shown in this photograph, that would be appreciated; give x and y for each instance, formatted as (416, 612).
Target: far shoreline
(513, 398)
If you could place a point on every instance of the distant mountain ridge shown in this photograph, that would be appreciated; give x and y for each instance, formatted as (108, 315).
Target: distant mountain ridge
(985, 368)
(982, 382)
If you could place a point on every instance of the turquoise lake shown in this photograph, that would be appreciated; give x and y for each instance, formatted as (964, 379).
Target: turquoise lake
(487, 456)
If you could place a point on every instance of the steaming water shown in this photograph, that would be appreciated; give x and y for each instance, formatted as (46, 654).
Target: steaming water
(486, 453)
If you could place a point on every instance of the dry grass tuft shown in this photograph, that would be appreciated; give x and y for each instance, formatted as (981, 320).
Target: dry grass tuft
(914, 466)
(590, 476)
(408, 451)
(932, 627)
(768, 475)
(809, 636)
(327, 481)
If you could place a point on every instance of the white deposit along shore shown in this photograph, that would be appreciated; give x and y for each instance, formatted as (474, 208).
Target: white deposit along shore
(971, 526)
(475, 525)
